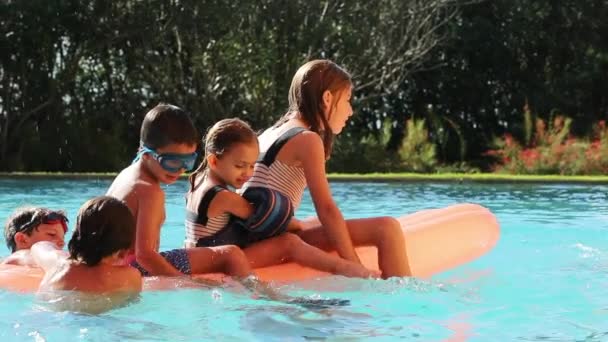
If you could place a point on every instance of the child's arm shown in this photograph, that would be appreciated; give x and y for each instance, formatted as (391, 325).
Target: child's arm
(313, 162)
(230, 202)
(149, 220)
(20, 258)
(47, 255)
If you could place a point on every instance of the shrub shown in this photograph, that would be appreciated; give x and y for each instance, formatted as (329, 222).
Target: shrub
(552, 150)
(417, 153)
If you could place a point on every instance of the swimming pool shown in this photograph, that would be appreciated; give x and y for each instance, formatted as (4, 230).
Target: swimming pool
(545, 280)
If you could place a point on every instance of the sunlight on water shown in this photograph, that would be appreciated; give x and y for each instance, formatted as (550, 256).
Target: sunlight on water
(544, 281)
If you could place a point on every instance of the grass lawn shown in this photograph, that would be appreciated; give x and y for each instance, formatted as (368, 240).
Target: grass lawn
(470, 177)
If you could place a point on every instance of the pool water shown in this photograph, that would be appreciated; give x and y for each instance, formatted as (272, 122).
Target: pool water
(546, 280)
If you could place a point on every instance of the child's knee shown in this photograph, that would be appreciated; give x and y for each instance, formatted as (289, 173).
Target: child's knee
(290, 241)
(233, 252)
(390, 228)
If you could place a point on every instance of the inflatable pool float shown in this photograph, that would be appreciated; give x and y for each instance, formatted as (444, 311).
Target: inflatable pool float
(437, 240)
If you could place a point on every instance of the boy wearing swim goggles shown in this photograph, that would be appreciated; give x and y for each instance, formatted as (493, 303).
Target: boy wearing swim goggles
(168, 148)
(26, 226)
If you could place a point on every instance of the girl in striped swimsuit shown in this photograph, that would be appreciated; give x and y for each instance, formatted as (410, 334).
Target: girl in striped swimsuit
(231, 151)
(293, 155)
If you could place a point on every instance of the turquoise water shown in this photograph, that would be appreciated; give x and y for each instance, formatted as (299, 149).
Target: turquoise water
(546, 280)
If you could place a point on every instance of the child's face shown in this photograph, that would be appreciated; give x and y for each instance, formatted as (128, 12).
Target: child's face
(158, 171)
(235, 166)
(52, 232)
(343, 110)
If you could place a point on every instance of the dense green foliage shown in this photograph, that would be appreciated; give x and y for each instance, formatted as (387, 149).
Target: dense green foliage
(76, 77)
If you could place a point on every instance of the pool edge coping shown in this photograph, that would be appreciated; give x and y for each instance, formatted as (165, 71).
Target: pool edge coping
(372, 177)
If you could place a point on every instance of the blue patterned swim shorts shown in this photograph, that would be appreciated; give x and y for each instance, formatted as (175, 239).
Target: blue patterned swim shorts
(176, 257)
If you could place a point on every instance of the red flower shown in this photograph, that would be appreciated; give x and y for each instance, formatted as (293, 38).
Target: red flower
(529, 156)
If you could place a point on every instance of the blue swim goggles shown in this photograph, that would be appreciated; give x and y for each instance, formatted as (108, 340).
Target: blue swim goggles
(171, 162)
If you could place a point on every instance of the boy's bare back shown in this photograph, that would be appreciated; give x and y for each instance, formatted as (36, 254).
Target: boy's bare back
(118, 286)
(71, 276)
(138, 190)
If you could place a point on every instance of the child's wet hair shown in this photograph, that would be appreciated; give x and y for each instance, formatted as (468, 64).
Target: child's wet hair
(104, 226)
(306, 95)
(23, 220)
(220, 137)
(167, 124)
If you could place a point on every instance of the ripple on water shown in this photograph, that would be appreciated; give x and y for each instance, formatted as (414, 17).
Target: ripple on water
(545, 280)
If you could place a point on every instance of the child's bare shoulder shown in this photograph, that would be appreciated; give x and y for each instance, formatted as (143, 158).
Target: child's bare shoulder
(149, 194)
(227, 196)
(129, 277)
(134, 188)
(307, 137)
(147, 188)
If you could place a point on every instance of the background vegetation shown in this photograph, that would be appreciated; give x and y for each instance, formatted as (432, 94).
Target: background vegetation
(441, 85)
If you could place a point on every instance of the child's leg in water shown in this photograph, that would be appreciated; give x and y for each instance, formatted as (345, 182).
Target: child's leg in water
(384, 233)
(256, 285)
(289, 247)
(223, 259)
(233, 261)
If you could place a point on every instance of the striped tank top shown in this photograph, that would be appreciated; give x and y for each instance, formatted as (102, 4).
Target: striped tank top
(198, 224)
(271, 173)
